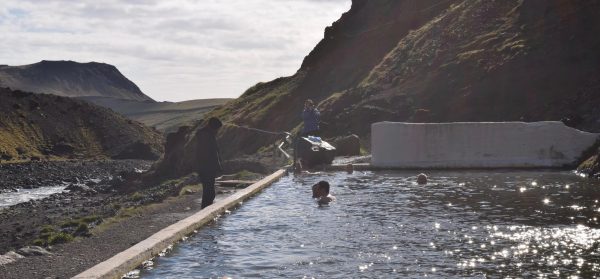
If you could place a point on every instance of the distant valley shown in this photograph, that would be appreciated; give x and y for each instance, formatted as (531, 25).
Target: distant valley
(164, 116)
(104, 85)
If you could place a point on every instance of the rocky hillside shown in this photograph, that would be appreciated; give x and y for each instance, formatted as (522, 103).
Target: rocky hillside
(71, 79)
(439, 61)
(41, 126)
(435, 61)
(351, 48)
(486, 61)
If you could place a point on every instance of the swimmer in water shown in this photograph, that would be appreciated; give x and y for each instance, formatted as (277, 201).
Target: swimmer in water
(349, 168)
(321, 193)
(421, 179)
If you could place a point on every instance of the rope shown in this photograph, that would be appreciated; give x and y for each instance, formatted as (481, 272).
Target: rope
(258, 130)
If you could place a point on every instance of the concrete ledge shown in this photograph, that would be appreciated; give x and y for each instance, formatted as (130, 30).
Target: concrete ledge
(369, 167)
(357, 167)
(547, 144)
(131, 258)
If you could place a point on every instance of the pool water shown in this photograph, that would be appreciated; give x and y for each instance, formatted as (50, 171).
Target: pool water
(383, 225)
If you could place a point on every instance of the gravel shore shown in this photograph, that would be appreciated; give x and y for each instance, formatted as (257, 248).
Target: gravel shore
(89, 223)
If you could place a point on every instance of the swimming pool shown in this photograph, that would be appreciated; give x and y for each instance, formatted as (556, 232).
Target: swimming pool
(384, 225)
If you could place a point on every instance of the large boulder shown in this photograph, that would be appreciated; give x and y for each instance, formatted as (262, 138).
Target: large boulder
(62, 149)
(9, 257)
(180, 158)
(138, 150)
(591, 166)
(347, 146)
(314, 154)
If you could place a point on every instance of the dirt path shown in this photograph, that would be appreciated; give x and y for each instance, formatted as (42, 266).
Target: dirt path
(74, 257)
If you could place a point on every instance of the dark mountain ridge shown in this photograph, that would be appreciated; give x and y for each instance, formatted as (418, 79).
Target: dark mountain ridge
(71, 79)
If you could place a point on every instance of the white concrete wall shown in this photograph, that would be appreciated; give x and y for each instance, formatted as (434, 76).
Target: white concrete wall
(477, 144)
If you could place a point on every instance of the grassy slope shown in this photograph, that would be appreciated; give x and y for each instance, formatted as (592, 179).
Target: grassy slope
(351, 47)
(34, 125)
(164, 116)
(449, 61)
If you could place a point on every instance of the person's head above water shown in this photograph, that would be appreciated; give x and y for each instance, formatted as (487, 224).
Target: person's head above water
(214, 123)
(349, 168)
(422, 179)
(320, 189)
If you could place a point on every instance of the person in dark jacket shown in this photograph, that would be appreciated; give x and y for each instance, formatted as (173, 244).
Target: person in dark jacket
(311, 118)
(209, 162)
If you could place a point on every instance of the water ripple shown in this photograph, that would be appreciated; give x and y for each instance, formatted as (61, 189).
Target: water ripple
(462, 224)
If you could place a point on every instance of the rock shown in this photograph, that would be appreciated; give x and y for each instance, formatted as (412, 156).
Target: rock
(347, 146)
(188, 192)
(33, 251)
(63, 149)
(138, 150)
(80, 188)
(9, 257)
(91, 183)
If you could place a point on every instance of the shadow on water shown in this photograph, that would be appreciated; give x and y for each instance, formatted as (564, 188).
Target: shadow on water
(464, 223)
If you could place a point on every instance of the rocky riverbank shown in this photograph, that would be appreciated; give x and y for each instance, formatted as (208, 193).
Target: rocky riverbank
(71, 231)
(36, 174)
(62, 216)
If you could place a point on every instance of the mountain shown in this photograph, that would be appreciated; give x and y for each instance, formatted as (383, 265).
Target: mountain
(103, 84)
(166, 117)
(350, 49)
(435, 61)
(36, 126)
(71, 79)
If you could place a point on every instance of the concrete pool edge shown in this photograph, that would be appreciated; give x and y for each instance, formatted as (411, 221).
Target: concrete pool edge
(127, 260)
(369, 167)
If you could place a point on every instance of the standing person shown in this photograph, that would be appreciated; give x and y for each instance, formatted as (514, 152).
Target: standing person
(209, 161)
(311, 118)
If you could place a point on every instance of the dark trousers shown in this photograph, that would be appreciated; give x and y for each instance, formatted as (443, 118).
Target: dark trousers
(208, 190)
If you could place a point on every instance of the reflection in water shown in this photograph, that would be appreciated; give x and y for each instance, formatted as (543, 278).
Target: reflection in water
(461, 224)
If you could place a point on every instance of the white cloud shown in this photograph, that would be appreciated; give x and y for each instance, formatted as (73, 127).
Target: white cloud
(174, 50)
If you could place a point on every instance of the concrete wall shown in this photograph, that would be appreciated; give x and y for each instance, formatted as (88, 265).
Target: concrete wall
(477, 144)
(131, 258)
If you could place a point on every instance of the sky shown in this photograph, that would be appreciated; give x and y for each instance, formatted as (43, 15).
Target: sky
(173, 50)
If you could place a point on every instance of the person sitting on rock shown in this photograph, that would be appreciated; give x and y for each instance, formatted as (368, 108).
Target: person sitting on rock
(321, 193)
